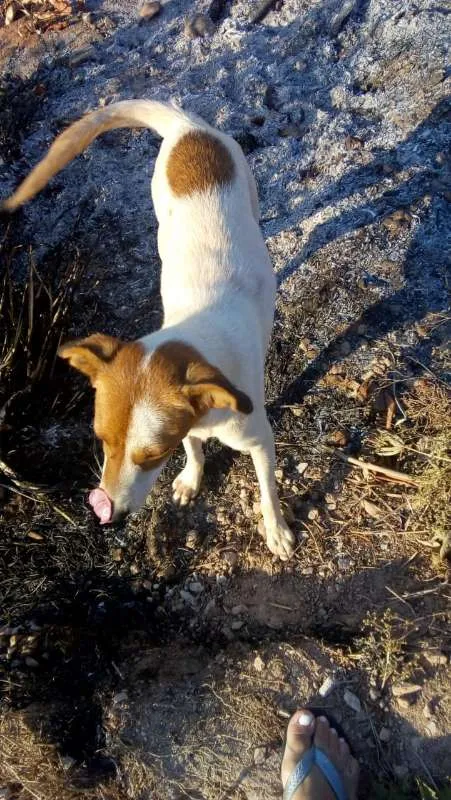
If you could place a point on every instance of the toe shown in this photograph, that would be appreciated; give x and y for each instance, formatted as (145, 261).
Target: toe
(299, 739)
(322, 733)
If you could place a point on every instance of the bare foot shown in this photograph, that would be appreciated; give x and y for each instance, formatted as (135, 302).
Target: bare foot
(303, 730)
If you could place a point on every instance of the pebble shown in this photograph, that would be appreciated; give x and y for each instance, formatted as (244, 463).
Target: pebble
(196, 587)
(301, 467)
(436, 659)
(150, 10)
(352, 701)
(81, 56)
(259, 755)
(402, 689)
(237, 624)
(192, 540)
(187, 597)
(199, 25)
(259, 664)
(403, 704)
(11, 13)
(385, 734)
(290, 131)
(341, 16)
(230, 557)
(313, 513)
(432, 728)
(31, 662)
(327, 687)
(241, 609)
(67, 762)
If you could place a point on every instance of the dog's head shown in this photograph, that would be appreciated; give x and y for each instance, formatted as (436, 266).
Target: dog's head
(145, 404)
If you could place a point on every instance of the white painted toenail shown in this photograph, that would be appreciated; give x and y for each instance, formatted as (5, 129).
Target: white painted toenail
(323, 719)
(305, 720)
(332, 730)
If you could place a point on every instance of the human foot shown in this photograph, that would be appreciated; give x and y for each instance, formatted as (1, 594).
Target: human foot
(305, 730)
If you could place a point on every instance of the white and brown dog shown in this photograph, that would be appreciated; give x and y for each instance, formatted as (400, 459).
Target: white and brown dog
(201, 375)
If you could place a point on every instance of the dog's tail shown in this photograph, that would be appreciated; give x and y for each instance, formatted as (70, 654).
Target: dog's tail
(160, 117)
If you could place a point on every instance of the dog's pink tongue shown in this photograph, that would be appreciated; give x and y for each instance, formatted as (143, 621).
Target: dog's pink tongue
(102, 505)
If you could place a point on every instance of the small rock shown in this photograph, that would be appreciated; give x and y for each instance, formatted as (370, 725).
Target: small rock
(150, 10)
(236, 610)
(301, 467)
(12, 12)
(81, 56)
(290, 131)
(436, 659)
(192, 540)
(187, 597)
(259, 664)
(402, 689)
(37, 537)
(326, 687)
(313, 513)
(67, 762)
(432, 728)
(337, 438)
(398, 221)
(120, 697)
(352, 701)
(31, 662)
(237, 624)
(341, 16)
(199, 25)
(385, 734)
(230, 557)
(196, 587)
(259, 755)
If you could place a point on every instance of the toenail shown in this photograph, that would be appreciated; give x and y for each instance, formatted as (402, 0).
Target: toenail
(323, 719)
(332, 730)
(305, 719)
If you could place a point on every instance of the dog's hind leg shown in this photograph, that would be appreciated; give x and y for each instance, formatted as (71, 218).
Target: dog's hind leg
(279, 538)
(187, 483)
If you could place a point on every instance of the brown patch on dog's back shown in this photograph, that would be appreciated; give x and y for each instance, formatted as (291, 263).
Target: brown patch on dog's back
(198, 162)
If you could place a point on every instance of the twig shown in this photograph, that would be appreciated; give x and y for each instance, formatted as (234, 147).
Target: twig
(368, 465)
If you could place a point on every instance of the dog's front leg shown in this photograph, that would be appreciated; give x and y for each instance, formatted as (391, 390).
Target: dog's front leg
(187, 483)
(279, 538)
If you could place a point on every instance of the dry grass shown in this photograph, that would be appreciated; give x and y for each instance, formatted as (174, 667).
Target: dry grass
(30, 769)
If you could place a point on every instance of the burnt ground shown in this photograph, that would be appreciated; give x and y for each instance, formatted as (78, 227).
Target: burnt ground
(160, 657)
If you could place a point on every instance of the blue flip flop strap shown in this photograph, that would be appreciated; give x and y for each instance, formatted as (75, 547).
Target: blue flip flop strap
(305, 766)
(331, 774)
(299, 774)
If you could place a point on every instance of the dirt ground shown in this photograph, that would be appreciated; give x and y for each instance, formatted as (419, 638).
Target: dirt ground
(161, 658)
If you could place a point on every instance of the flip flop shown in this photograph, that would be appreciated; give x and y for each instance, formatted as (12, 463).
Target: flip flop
(316, 757)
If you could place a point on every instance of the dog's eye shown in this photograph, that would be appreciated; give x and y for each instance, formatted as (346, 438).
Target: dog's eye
(150, 458)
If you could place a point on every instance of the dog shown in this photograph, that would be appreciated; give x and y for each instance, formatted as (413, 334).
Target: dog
(202, 374)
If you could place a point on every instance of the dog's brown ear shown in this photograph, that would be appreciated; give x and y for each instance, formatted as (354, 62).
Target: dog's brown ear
(207, 388)
(90, 355)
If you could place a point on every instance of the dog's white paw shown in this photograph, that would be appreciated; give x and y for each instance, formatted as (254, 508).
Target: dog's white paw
(279, 539)
(185, 488)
